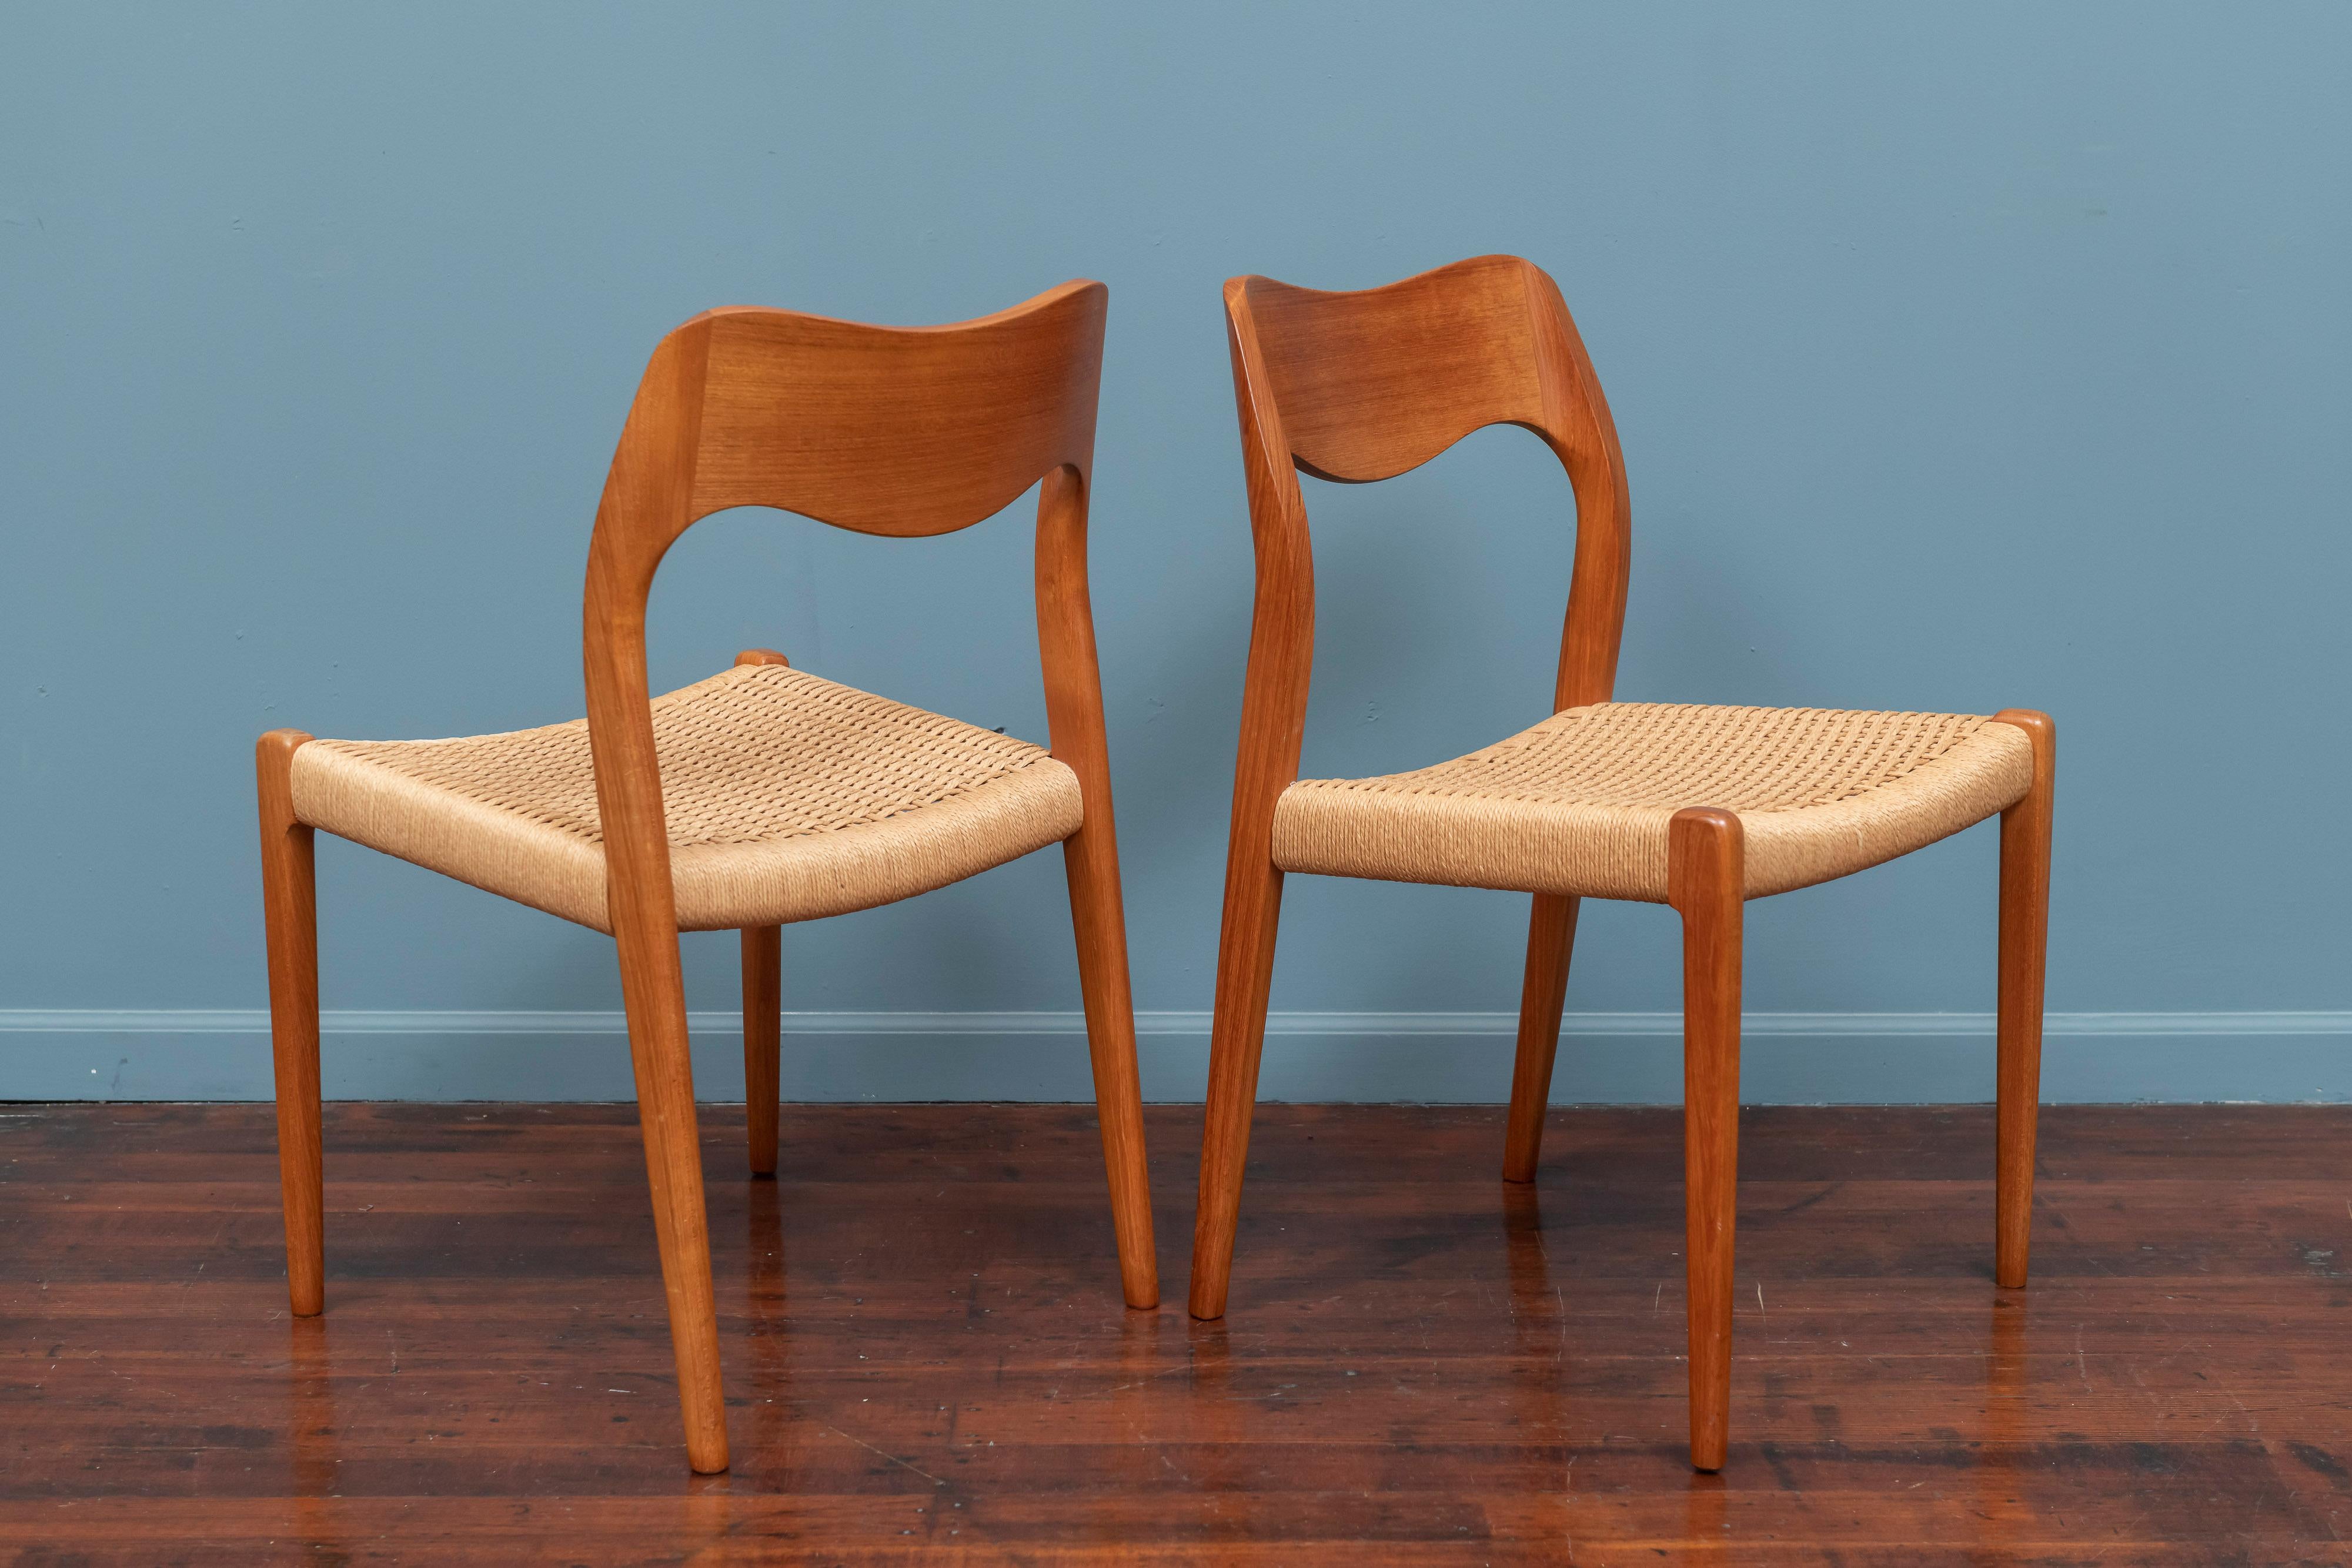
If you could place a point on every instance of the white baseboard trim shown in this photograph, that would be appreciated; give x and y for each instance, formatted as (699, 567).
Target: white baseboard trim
(1458, 1057)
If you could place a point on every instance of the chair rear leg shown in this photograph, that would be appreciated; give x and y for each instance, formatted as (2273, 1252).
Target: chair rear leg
(2024, 935)
(1236, 1041)
(763, 1042)
(764, 1001)
(1706, 877)
(654, 992)
(1551, 937)
(291, 914)
(1090, 857)
(1065, 647)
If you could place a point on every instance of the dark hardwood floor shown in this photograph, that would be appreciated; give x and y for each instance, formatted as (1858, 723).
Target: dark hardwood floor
(927, 1358)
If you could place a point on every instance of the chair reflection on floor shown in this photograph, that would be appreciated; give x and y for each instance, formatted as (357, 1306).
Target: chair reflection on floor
(314, 1433)
(2006, 1419)
(767, 1319)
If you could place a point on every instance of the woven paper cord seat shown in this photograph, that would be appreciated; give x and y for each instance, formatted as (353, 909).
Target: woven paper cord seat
(788, 797)
(1579, 804)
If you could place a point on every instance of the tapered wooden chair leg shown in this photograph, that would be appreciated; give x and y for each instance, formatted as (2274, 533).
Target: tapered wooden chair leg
(763, 1042)
(763, 1002)
(1705, 876)
(291, 913)
(2024, 936)
(1066, 646)
(1090, 857)
(1236, 1041)
(1551, 937)
(654, 992)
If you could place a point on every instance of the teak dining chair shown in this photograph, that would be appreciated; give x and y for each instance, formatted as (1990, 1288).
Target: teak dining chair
(763, 795)
(1698, 808)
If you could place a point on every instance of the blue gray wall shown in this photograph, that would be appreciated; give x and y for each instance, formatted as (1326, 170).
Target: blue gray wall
(1964, 357)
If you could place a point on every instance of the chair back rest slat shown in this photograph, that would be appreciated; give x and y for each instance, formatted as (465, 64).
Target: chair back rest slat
(895, 430)
(1375, 382)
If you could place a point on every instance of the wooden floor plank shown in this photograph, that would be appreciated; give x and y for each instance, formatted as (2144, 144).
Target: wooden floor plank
(928, 1359)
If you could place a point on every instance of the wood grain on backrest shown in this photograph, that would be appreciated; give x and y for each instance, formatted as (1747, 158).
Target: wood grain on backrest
(894, 430)
(886, 430)
(1375, 382)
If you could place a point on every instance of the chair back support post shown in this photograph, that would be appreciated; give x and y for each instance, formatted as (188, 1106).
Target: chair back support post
(1580, 430)
(1282, 622)
(645, 505)
(1065, 634)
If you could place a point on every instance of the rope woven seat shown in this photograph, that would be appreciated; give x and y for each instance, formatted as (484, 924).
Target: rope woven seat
(787, 797)
(1580, 804)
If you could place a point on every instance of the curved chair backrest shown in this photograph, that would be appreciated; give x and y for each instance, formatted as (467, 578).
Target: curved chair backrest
(886, 430)
(905, 431)
(1358, 387)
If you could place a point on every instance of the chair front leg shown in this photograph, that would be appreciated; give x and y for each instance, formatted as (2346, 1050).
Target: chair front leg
(2024, 939)
(289, 906)
(1706, 879)
(1551, 937)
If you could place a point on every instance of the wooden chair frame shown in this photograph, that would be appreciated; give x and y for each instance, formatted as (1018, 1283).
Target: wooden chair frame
(904, 432)
(1360, 387)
